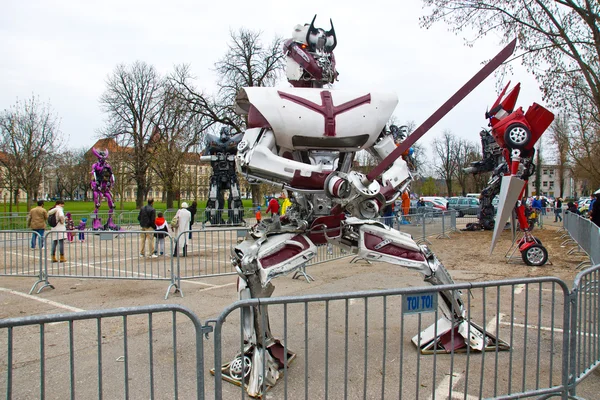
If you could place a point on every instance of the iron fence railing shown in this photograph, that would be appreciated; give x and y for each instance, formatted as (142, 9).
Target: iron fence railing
(353, 344)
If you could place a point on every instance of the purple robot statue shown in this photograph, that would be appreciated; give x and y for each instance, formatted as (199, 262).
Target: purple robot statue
(102, 181)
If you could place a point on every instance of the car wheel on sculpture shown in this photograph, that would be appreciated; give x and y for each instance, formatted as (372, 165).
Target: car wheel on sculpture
(535, 255)
(517, 136)
(240, 368)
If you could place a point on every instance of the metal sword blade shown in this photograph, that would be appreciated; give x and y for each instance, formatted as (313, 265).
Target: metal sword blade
(444, 109)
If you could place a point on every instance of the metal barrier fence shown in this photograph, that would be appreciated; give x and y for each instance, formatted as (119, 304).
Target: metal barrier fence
(353, 345)
(138, 352)
(117, 255)
(359, 343)
(585, 345)
(585, 233)
(425, 224)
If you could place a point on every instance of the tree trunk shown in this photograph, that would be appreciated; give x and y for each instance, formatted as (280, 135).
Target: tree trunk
(256, 196)
(170, 198)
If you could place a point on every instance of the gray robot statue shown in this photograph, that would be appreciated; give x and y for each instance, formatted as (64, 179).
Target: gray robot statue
(220, 151)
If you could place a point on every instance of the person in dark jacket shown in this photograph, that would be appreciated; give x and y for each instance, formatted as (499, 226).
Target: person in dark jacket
(192, 209)
(558, 210)
(571, 207)
(595, 211)
(147, 217)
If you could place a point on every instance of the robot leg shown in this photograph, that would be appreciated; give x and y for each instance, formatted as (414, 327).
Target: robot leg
(258, 261)
(453, 331)
(213, 208)
(97, 222)
(110, 225)
(234, 203)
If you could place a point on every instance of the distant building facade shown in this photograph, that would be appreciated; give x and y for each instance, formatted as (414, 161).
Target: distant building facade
(550, 182)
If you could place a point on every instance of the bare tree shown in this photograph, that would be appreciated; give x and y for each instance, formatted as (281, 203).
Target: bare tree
(465, 152)
(29, 132)
(247, 63)
(558, 136)
(181, 131)
(74, 173)
(446, 158)
(584, 147)
(559, 40)
(132, 102)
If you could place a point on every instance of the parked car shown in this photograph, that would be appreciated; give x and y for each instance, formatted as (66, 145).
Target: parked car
(437, 200)
(584, 206)
(464, 205)
(430, 207)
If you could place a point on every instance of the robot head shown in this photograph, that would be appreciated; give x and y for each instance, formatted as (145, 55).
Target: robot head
(225, 133)
(102, 155)
(310, 60)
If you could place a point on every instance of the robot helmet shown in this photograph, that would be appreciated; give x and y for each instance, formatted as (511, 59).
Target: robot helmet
(102, 155)
(310, 59)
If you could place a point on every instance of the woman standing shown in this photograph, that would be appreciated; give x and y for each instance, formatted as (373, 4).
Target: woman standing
(184, 218)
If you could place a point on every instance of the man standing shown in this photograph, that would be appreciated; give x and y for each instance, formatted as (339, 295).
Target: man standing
(147, 218)
(558, 210)
(544, 203)
(57, 231)
(36, 220)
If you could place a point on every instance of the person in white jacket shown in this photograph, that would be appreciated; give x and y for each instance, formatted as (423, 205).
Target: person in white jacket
(57, 233)
(183, 217)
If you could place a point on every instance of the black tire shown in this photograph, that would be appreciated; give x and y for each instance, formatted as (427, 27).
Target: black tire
(460, 214)
(517, 136)
(488, 224)
(535, 255)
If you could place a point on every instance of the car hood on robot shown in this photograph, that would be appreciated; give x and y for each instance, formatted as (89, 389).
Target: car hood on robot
(318, 118)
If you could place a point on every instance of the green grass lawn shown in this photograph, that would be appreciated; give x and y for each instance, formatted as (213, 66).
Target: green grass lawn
(88, 206)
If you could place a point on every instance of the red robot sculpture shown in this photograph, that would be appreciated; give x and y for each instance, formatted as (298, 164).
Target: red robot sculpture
(508, 150)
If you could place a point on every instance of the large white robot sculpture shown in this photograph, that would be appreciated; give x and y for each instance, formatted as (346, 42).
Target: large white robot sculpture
(305, 139)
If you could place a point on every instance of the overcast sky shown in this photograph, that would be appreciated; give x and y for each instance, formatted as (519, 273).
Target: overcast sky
(64, 50)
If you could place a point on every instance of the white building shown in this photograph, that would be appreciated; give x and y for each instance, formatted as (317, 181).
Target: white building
(550, 182)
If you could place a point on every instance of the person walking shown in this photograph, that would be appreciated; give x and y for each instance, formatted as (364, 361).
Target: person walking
(183, 218)
(147, 216)
(36, 220)
(558, 210)
(192, 209)
(57, 231)
(258, 215)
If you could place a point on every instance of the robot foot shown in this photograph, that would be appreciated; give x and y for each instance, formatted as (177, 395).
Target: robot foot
(448, 336)
(247, 370)
(111, 227)
(97, 224)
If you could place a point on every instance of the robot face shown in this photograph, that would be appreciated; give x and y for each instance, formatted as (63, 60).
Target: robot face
(225, 133)
(310, 55)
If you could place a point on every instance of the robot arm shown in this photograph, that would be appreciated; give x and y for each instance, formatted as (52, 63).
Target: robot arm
(258, 158)
(94, 181)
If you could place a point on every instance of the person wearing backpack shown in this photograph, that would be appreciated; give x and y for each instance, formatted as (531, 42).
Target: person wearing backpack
(36, 220)
(56, 220)
(147, 216)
